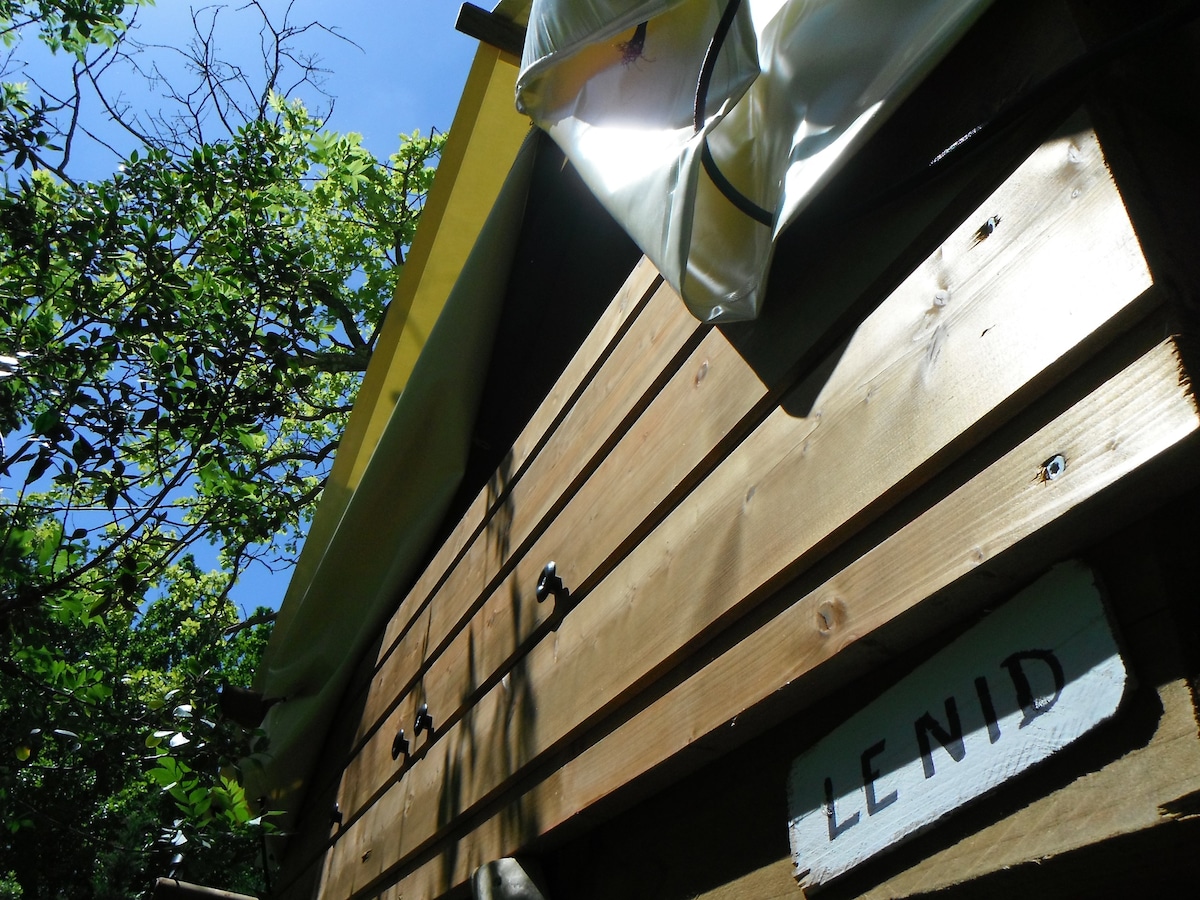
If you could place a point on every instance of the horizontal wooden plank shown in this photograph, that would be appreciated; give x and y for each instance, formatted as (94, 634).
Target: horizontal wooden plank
(612, 392)
(613, 395)
(790, 338)
(588, 531)
(982, 320)
(1140, 413)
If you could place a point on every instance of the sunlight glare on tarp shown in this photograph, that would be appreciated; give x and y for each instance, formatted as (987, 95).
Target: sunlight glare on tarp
(631, 154)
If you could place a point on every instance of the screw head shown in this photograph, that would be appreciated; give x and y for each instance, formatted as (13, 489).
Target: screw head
(1054, 467)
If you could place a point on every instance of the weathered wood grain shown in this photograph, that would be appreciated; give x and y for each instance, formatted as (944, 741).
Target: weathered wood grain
(612, 392)
(1142, 412)
(984, 319)
(589, 530)
(626, 306)
(849, 284)
(715, 389)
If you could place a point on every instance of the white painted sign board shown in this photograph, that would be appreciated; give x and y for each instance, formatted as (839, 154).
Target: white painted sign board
(1032, 677)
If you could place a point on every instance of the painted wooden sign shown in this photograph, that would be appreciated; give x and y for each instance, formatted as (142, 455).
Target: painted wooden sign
(1031, 678)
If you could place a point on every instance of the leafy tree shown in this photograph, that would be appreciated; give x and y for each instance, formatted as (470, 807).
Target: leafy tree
(180, 344)
(184, 342)
(109, 780)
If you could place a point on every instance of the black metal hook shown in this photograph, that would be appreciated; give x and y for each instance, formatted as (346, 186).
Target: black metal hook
(400, 745)
(424, 720)
(550, 585)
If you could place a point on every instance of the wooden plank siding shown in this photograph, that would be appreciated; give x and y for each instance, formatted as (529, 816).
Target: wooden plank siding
(1110, 811)
(760, 523)
(1144, 410)
(630, 374)
(686, 424)
(849, 276)
(626, 344)
(676, 490)
(605, 339)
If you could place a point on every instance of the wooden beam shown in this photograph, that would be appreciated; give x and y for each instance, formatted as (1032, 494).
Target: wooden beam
(592, 418)
(669, 449)
(174, 889)
(483, 539)
(491, 28)
(457, 644)
(488, 521)
(716, 388)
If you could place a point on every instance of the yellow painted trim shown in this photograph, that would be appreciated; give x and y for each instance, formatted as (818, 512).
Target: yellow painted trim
(484, 138)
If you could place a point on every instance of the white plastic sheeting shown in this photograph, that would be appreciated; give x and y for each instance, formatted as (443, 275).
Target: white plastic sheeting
(705, 126)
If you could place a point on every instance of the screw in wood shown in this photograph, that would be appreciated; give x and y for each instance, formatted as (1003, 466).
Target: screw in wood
(1054, 467)
(985, 230)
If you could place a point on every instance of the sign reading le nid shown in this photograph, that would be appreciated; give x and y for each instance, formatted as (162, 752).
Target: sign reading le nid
(1029, 679)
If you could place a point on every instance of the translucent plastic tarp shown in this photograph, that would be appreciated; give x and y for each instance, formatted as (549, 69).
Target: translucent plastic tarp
(706, 126)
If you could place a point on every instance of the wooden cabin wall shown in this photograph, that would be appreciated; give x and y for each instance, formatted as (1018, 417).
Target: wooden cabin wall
(1117, 809)
(761, 525)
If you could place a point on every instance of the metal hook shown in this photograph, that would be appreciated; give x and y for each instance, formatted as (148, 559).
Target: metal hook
(550, 585)
(424, 720)
(400, 745)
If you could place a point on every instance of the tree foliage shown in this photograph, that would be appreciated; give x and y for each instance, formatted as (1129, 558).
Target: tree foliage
(116, 765)
(180, 344)
(185, 340)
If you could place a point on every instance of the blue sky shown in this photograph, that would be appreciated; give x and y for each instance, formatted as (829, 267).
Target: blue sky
(401, 67)
(408, 74)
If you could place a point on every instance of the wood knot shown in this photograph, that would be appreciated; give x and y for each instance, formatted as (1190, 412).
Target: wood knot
(831, 615)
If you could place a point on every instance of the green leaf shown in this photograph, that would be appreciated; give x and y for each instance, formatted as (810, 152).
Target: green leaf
(171, 313)
(47, 422)
(51, 539)
(81, 450)
(39, 467)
